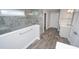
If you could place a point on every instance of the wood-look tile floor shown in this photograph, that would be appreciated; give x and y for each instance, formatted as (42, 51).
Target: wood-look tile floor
(48, 40)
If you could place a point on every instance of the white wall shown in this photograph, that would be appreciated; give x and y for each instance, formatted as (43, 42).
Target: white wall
(65, 23)
(53, 20)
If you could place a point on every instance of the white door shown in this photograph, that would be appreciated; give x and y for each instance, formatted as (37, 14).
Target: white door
(54, 20)
(74, 35)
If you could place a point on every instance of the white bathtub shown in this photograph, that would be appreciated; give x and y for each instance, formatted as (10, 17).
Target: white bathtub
(21, 38)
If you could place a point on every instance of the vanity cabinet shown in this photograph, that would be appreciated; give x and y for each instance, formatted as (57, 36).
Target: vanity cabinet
(21, 38)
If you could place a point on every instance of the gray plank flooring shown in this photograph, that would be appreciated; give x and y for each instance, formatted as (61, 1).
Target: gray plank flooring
(48, 40)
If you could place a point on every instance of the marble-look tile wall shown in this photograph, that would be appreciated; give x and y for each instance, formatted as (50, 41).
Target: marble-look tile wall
(1, 21)
(17, 22)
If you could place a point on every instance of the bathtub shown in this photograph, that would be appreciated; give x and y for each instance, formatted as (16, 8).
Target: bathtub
(20, 39)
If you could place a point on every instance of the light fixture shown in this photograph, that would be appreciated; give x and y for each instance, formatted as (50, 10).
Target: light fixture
(70, 10)
(12, 13)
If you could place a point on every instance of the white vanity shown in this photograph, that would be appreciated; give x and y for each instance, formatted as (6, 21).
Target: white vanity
(21, 38)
